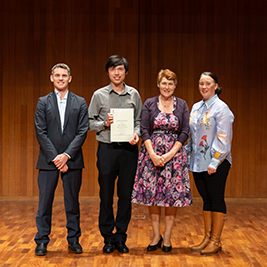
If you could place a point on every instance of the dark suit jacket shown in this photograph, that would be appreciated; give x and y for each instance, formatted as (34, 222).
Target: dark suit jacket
(51, 139)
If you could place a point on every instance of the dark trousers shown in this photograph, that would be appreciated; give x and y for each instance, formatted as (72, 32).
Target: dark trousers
(212, 187)
(115, 160)
(47, 182)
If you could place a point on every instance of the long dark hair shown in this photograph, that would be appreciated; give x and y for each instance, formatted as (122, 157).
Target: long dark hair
(215, 79)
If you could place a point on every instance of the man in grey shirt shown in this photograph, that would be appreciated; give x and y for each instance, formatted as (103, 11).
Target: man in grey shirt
(115, 159)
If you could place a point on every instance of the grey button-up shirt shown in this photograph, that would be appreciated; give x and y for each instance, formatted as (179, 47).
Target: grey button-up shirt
(106, 98)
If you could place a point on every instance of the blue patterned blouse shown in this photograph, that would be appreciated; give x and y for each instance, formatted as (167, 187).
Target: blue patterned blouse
(211, 134)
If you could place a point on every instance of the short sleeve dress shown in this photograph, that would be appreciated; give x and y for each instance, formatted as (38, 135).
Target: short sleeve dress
(167, 186)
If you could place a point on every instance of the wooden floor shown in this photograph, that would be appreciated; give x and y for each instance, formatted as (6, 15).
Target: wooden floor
(244, 238)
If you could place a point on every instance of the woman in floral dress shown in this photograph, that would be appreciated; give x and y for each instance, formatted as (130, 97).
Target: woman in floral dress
(162, 178)
(209, 150)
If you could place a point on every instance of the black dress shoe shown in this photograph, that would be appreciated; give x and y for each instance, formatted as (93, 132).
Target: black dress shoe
(155, 247)
(121, 247)
(75, 248)
(167, 249)
(41, 249)
(108, 248)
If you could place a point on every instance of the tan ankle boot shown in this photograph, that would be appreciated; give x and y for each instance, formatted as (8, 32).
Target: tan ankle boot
(214, 245)
(207, 224)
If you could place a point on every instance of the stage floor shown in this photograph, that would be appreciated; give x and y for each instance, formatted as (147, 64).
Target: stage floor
(244, 237)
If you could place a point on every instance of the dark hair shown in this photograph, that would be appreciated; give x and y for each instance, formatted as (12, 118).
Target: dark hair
(215, 79)
(168, 74)
(116, 60)
(62, 66)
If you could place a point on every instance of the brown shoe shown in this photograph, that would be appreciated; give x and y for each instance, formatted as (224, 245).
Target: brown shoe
(207, 224)
(215, 245)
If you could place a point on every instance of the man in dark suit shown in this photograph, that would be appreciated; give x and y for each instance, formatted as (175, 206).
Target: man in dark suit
(61, 124)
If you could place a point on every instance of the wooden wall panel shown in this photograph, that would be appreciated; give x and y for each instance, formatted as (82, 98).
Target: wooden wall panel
(227, 38)
(187, 36)
(36, 35)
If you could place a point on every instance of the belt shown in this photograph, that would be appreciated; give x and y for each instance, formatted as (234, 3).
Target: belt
(165, 132)
(115, 143)
(120, 143)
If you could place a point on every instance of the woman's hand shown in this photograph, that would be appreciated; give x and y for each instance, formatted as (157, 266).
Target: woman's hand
(157, 160)
(167, 157)
(211, 170)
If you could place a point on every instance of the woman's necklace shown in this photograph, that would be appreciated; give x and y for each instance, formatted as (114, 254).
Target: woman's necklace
(169, 101)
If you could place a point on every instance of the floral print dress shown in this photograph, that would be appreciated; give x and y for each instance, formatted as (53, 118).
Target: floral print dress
(167, 186)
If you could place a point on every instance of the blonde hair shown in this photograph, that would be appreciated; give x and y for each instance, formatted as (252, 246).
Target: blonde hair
(168, 74)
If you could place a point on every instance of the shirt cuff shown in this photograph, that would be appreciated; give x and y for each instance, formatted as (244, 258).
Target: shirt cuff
(67, 155)
(214, 163)
(188, 159)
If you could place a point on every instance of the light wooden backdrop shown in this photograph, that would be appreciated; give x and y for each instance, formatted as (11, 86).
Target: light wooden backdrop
(226, 37)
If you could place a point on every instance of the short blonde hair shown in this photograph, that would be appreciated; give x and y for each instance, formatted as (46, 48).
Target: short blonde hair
(168, 74)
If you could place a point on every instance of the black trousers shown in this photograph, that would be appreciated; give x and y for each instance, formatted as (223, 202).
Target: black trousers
(47, 182)
(212, 187)
(115, 160)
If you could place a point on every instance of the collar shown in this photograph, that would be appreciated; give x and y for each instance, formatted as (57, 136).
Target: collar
(126, 89)
(58, 94)
(210, 102)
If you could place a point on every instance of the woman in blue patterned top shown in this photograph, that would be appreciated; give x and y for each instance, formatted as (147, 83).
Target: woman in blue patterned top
(209, 154)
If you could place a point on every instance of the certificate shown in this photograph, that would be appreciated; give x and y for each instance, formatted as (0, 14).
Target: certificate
(122, 128)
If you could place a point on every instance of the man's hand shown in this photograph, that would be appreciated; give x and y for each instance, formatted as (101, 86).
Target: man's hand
(135, 139)
(64, 168)
(109, 119)
(60, 161)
